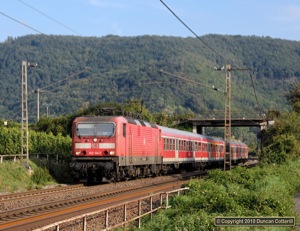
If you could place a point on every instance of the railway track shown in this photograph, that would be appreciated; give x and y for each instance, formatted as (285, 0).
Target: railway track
(30, 216)
(41, 192)
(41, 207)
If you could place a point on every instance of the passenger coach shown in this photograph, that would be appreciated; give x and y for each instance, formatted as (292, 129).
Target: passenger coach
(106, 148)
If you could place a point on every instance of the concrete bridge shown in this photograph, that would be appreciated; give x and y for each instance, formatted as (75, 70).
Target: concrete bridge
(199, 123)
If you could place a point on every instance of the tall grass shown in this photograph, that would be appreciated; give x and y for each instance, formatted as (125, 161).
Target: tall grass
(261, 191)
(14, 176)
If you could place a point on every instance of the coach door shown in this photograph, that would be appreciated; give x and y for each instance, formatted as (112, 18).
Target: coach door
(176, 150)
(156, 146)
(194, 149)
(208, 151)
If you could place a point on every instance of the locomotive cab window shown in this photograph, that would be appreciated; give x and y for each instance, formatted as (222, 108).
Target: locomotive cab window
(95, 129)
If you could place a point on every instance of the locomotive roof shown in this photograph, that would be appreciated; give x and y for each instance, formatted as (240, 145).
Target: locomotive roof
(147, 124)
(109, 119)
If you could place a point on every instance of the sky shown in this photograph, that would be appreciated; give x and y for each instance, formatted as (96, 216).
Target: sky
(97, 18)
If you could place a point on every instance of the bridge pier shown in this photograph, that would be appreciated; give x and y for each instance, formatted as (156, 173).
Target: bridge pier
(197, 129)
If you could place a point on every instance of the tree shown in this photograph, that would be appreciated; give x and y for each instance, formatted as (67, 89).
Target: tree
(282, 141)
(293, 96)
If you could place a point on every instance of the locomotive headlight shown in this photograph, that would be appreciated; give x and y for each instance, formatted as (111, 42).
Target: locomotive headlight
(112, 153)
(77, 153)
(95, 140)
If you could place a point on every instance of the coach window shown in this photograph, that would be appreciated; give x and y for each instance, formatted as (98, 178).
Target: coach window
(165, 143)
(172, 144)
(233, 149)
(227, 147)
(221, 149)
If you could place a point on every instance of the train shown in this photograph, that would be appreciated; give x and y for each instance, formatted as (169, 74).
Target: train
(115, 148)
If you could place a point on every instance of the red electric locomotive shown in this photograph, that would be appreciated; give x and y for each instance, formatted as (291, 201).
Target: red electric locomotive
(107, 148)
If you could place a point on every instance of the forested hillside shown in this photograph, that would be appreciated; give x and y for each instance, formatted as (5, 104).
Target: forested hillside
(124, 68)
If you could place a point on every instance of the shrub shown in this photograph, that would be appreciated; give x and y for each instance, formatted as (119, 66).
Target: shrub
(267, 190)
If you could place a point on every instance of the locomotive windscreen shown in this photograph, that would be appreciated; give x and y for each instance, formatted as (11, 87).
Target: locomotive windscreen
(95, 129)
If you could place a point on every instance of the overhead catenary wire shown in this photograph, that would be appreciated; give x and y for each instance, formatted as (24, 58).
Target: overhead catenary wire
(191, 81)
(258, 105)
(70, 76)
(22, 23)
(198, 37)
(212, 49)
(49, 17)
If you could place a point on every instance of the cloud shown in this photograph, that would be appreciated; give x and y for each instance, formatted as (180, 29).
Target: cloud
(292, 13)
(105, 3)
(115, 27)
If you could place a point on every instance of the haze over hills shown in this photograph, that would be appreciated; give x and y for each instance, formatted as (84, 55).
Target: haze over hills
(123, 68)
